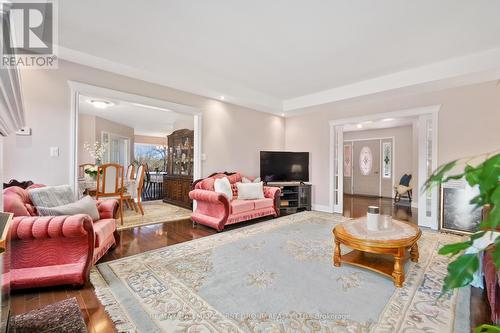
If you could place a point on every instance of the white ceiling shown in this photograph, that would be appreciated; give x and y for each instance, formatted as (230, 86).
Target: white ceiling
(144, 120)
(276, 55)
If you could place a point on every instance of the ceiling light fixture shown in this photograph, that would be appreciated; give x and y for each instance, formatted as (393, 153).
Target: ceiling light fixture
(359, 125)
(222, 98)
(388, 119)
(282, 114)
(100, 104)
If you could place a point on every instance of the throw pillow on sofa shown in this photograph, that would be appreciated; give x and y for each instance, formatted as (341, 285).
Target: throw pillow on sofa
(51, 196)
(250, 191)
(86, 205)
(222, 185)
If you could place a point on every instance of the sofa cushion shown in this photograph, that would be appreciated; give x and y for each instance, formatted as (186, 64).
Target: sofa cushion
(86, 205)
(241, 206)
(263, 203)
(250, 191)
(207, 184)
(51, 196)
(103, 229)
(223, 186)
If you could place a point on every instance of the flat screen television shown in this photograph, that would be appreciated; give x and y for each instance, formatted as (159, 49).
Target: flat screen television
(284, 166)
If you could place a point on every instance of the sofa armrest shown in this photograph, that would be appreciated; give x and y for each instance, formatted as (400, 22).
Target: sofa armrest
(40, 227)
(44, 241)
(275, 194)
(212, 208)
(107, 208)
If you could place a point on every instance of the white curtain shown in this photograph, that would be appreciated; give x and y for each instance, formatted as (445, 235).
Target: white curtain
(11, 105)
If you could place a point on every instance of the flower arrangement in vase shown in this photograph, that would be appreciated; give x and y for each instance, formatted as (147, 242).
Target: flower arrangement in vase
(96, 151)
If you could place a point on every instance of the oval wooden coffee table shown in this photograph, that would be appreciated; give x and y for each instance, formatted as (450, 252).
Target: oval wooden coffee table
(384, 251)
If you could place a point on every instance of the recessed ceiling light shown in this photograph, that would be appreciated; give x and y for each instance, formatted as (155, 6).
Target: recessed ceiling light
(222, 98)
(282, 114)
(388, 119)
(101, 104)
(359, 125)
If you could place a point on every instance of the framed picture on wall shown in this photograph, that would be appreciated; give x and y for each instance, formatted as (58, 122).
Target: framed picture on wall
(457, 214)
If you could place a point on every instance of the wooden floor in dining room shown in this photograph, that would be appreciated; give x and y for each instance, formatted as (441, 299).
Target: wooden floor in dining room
(141, 239)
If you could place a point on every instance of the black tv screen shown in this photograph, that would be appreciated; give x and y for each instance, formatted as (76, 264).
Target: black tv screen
(283, 166)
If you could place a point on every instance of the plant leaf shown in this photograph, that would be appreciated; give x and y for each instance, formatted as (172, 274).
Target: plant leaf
(460, 272)
(438, 175)
(485, 328)
(454, 248)
(496, 253)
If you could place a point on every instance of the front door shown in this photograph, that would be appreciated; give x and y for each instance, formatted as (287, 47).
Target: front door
(366, 167)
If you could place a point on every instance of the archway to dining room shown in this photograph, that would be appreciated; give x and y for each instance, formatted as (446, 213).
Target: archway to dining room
(154, 145)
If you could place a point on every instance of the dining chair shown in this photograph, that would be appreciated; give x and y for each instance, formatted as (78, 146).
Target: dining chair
(130, 171)
(83, 167)
(135, 195)
(110, 184)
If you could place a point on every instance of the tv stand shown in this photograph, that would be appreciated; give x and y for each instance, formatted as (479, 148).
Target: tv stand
(295, 196)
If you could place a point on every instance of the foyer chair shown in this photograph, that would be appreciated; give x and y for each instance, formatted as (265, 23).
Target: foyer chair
(404, 188)
(130, 172)
(110, 184)
(83, 167)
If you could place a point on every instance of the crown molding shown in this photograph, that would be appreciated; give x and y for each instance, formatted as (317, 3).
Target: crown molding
(471, 69)
(232, 92)
(474, 68)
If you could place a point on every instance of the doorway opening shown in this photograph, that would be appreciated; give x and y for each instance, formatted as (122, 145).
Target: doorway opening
(154, 145)
(370, 155)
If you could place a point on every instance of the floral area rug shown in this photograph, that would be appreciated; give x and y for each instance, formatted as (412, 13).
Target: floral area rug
(276, 276)
(154, 212)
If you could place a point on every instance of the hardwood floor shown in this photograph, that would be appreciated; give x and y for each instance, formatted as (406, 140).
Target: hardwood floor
(141, 239)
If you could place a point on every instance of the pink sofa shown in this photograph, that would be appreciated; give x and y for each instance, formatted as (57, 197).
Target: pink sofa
(55, 250)
(216, 211)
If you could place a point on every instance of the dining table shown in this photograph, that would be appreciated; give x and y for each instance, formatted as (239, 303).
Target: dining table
(89, 186)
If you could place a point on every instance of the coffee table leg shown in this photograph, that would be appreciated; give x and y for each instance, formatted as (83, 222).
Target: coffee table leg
(398, 273)
(336, 255)
(414, 252)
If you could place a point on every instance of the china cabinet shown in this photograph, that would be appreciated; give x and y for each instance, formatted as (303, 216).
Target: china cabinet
(177, 182)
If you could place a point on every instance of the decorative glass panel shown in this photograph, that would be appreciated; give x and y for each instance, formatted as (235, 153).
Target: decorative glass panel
(387, 159)
(365, 161)
(347, 160)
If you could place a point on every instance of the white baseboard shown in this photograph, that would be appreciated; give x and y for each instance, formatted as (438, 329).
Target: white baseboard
(321, 208)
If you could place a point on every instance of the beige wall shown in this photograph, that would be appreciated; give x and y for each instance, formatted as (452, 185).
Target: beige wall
(184, 123)
(86, 133)
(403, 151)
(469, 123)
(232, 136)
(105, 125)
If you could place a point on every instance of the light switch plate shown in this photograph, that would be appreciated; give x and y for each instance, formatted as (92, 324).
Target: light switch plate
(54, 151)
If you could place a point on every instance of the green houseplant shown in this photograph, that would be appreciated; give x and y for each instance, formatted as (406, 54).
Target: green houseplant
(484, 172)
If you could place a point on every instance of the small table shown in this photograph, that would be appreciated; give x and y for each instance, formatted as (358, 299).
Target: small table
(384, 251)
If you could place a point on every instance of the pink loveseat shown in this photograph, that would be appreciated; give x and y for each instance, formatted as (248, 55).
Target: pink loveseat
(216, 211)
(55, 250)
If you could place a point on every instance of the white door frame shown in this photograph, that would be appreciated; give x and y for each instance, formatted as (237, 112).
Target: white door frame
(78, 88)
(431, 111)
